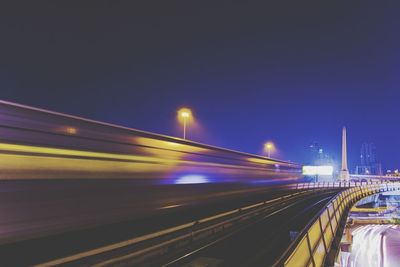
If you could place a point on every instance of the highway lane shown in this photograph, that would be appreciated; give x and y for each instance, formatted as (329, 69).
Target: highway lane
(36, 208)
(262, 242)
(42, 224)
(374, 245)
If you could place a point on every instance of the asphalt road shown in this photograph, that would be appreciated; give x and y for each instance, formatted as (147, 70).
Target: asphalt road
(44, 220)
(261, 243)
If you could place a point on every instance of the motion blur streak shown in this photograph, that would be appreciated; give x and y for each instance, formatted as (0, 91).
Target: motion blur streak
(39, 144)
(375, 245)
(35, 162)
(62, 173)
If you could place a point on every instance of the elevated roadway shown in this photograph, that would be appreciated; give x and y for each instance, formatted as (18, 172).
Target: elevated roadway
(79, 192)
(285, 210)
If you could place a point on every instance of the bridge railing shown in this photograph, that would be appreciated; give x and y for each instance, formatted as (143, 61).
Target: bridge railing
(336, 184)
(316, 239)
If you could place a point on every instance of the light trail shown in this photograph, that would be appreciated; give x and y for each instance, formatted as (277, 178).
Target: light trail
(375, 246)
(33, 161)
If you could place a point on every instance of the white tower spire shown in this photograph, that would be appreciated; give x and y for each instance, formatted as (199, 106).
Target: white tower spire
(344, 172)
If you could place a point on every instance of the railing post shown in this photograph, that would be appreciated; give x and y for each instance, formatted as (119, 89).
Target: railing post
(323, 236)
(335, 209)
(330, 224)
(310, 250)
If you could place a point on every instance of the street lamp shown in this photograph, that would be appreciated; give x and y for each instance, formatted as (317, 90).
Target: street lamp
(184, 115)
(269, 146)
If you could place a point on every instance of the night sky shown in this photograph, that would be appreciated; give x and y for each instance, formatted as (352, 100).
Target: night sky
(293, 73)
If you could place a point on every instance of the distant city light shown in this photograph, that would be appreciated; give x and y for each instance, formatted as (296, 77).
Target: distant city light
(317, 170)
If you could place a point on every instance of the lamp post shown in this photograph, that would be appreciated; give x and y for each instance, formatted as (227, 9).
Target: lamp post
(269, 146)
(184, 115)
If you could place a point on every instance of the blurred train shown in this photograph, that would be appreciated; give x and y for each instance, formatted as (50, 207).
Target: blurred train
(60, 173)
(39, 144)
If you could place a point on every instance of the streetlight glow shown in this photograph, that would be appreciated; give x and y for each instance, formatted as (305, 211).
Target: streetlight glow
(269, 146)
(184, 115)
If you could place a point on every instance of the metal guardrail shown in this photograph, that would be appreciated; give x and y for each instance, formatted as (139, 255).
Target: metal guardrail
(384, 178)
(315, 240)
(333, 184)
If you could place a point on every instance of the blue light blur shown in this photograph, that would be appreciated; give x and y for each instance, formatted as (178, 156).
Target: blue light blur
(192, 179)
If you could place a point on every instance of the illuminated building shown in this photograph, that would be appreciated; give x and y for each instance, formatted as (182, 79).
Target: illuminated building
(368, 160)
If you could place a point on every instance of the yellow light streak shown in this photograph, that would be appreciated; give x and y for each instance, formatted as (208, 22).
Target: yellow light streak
(262, 161)
(52, 163)
(67, 152)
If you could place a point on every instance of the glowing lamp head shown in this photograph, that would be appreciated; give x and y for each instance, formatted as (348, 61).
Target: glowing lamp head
(184, 114)
(269, 146)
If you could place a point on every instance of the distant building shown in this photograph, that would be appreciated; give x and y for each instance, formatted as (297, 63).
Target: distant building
(394, 173)
(319, 157)
(368, 154)
(369, 164)
(315, 153)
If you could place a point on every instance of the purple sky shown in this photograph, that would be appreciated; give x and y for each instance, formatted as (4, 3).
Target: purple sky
(291, 73)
